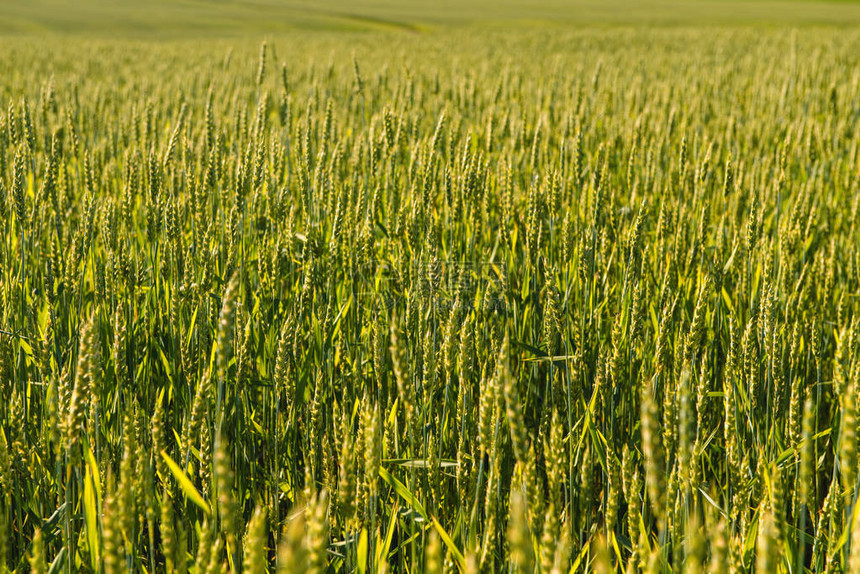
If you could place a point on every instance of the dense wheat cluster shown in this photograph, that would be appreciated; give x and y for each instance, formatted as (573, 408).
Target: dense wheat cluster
(467, 302)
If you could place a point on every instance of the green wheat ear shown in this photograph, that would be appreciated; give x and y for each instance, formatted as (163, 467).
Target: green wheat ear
(255, 553)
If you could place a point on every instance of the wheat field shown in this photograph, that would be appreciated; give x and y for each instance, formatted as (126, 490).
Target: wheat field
(495, 298)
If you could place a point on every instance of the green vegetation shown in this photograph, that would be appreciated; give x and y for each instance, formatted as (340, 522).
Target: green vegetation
(477, 298)
(179, 19)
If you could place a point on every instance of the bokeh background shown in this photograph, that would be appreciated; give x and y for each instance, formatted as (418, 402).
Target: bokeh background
(231, 18)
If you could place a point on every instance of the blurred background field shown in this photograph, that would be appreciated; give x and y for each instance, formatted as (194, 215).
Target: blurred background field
(231, 18)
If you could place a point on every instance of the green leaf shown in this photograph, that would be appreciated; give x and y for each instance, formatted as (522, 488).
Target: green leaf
(59, 560)
(534, 350)
(455, 552)
(416, 505)
(26, 347)
(382, 549)
(361, 552)
(582, 554)
(94, 472)
(166, 364)
(752, 533)
(728, 300)
(404, 492)
(185, 484)
(424, 463)
(91, 515)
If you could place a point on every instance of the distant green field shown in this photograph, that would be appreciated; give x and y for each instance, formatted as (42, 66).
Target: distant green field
(167, 18)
